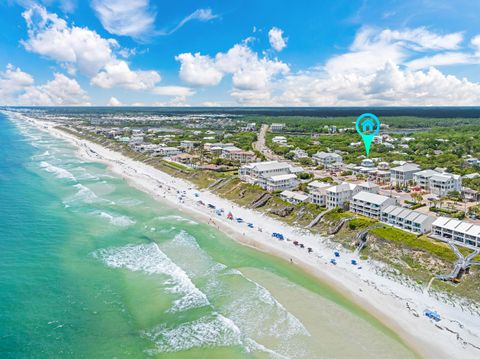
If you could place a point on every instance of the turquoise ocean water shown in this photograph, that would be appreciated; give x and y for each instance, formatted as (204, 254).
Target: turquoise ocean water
(92, 268)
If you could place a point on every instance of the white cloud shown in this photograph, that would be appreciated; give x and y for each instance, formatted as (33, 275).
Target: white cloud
(114, 102)
(12, 82)
(202, 15)
(81, 48)
(275, 37)
(372, 49)
(50, 36)
(173, 91)
(135, 18)
(118, 73)
(199, 70)
(382, 67)
(249, 72)
(61, 91)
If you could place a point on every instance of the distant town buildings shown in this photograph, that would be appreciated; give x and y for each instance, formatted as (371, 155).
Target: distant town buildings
(277, 127)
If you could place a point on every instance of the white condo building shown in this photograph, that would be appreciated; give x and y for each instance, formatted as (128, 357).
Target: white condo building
(370, 204)
(460, 232)
(407, 219)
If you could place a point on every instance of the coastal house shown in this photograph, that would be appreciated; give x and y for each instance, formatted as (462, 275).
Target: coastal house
(294, 197)
(299, 153)
(340, 195)
(370, 204)
(188, 145)
(327, 159)
(166, 151)
(271, 175)
(459, 232)
(403, 174)
(279, 182)
(369, 187)
(407, 219)
(439, 183)
(318, 192)
(236, 154)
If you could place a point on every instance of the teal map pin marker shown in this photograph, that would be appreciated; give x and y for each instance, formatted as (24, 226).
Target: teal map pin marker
(367, 126)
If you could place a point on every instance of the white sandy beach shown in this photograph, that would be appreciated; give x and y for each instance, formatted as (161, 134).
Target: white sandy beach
(398, 306)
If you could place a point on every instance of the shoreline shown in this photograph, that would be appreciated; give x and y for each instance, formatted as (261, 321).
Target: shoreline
(363, 287)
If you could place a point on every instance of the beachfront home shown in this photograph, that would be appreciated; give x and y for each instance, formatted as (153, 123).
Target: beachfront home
(294, 197)
(459, 232)
(277, 127)
(340, 195)
(279, 182)
(269, 175)
(403, 174)
(407, 219)
(370, 204)
(327, 158)
(166, 151)
(263, 169)
(318, 192)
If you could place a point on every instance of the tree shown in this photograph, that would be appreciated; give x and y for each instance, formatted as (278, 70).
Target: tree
(417, 197)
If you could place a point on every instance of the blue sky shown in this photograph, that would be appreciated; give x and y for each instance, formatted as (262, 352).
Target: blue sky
(256, 53)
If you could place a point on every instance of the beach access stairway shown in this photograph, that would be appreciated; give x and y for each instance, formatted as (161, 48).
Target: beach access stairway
(339, 225)
(361, 237)
(461, 265)
(261, 200)
(318, 218)
(218, 181)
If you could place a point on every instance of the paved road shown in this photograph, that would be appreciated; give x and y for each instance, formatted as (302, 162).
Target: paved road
(261, 146)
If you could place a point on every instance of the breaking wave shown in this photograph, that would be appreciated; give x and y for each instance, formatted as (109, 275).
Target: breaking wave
(57, 171)
(150, 259)
(116, 220)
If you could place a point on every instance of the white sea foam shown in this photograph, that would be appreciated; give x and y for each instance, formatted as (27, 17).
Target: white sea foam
(116, 220)
(84, 194)
(150, 259)
(57, 171)
(252, 305)
(176, 218)
(129, 202)
(209, 331)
